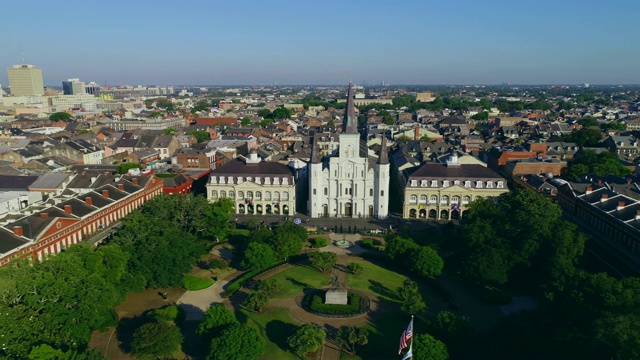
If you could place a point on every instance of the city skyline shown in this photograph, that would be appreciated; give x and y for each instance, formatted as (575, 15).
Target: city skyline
(200, 43)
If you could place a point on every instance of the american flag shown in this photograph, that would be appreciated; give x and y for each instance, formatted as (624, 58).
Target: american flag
(406, 336)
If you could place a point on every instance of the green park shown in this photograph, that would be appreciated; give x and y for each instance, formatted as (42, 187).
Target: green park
(181, 279)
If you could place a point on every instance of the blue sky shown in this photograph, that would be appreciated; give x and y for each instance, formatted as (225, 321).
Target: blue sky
(324, 42)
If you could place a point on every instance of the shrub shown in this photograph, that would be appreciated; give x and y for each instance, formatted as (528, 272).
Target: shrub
(319, 242)
(366, 243)
(216, 264)
(193, 283)
(354, 305)
(168, 313)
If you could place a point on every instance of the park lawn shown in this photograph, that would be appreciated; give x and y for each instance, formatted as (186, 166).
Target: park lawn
(380, 281)
(298, 278)
(275, 325)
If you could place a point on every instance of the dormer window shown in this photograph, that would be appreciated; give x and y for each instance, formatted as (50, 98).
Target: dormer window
(414, 183)
(467, 184)
(240, 180)
(276, 181)
(489, 184)
(267, 181)
(445, 183)
(434, 183)
(500, 185)
(257, 180)
(479, 184)
(456, 182)
(423, 183)
(285, 181)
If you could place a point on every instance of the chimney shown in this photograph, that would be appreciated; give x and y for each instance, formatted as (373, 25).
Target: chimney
(134, 181)
(637, 215)
(44, 215)
(620, 205)
(67, 209)
(628, 181)
(105, 193)
(89, 201)
(417, 133)
(589, 190)
(17, 231)
(604, 197)
(121, 187)
(599, 181)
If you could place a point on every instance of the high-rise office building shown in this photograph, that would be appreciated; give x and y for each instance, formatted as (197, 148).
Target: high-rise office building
(73, 87)
(25, 80)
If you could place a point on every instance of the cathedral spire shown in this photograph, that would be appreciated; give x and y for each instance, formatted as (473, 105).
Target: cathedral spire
(350, 122)
(383, 159)
(315, 152)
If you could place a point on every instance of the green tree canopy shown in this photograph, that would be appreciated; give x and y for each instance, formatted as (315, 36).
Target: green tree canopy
(324, 260)
(350, 336)
(156, 340)
(124, 167)
(60, 116)
(427, 347)
(216, 319)
(237, 342)
(601, 164)
(258, 257)
(200, 135)
(307, 338)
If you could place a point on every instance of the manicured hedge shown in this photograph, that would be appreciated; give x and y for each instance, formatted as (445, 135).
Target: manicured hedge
(319, 242)
(353, 305)
(168, 313)
(194, 283)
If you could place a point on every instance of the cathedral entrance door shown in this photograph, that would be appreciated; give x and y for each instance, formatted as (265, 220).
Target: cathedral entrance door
(347, 209)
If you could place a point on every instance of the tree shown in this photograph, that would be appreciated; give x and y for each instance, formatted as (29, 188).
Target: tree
(427, 347)
(246, 121)
(481, 116)
(258, 257)
(60, 116)
(588, 121)
(288, 239)
(256, 301)
(216, 318)
(307, 338)
(46, 352)
(614, 125)
(218, 216)
(323, 260)
(200, 135)
(412, 302)
(455, 331)
(585, 137)
(237, 342)
(156, 339)
(281, 113)
(169, 131)
(355, 268)
(350, 336)
(265, 113)
(125, 167)
(426, 262)
(270, 286)
(253, 223)
(398, 248)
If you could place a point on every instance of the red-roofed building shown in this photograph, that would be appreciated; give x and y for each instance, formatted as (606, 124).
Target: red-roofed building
(226, 121)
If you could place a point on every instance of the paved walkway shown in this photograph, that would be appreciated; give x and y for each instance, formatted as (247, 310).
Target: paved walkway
(195, 303)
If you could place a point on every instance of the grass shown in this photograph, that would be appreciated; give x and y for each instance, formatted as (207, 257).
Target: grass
(377, 280)
(195, 283)
(298, 278)
(275, 325)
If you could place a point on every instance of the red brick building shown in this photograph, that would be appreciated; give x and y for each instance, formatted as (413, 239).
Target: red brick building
(68, 222)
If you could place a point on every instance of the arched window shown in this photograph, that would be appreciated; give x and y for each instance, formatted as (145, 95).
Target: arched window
(455, 199)
(285, 195)
(241, 194)
(413, 199)
(444, 200)
(466, 199)
(223, 194)
(326, 191)
(258, 195)
(249, 194)
(423, 199)
(370, 192)
(381, 192)
(267, 195)
(433, 199)
(214, 195)
(314, 191)
(276, 195)
(232, 194)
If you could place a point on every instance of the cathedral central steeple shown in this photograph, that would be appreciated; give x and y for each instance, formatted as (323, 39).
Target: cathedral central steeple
(350, 122)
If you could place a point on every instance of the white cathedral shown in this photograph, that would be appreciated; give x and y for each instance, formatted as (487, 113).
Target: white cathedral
(349, 182)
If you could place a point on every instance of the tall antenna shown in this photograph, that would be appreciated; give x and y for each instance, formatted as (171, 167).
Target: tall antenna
(22, 52)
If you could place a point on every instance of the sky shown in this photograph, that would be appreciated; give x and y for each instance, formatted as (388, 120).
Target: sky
(211, 42)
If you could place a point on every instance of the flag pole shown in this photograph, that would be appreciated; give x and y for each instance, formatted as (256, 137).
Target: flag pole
(412, 336)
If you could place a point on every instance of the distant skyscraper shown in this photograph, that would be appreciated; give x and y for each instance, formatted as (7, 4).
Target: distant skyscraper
(25, 80)
(73, 87)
